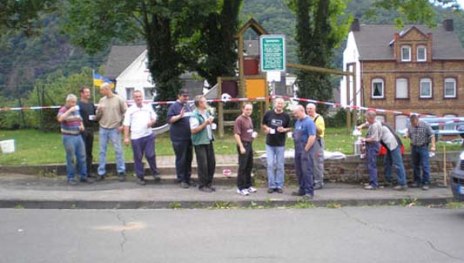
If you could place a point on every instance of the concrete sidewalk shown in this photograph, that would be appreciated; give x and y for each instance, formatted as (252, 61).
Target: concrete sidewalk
(31, 191)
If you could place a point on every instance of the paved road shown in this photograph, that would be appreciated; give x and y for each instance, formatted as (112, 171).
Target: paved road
(356, 234)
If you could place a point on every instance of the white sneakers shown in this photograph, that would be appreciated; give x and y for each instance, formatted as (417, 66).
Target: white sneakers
(246, 192)
(252, 190)
(243, 192)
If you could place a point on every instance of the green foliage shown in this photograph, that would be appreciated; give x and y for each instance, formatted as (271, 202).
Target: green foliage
(20, 15)
(317, 35)
(336, 120)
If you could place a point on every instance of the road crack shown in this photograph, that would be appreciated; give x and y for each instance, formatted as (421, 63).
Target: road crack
(392, 231)
(123, 231)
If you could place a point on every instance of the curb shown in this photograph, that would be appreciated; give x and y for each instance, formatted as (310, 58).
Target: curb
(219, 204)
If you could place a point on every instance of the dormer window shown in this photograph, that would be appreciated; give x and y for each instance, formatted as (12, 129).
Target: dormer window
(421, 53)
(405, 53)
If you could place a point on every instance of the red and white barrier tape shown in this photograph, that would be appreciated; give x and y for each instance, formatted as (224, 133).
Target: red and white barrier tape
(331, 104)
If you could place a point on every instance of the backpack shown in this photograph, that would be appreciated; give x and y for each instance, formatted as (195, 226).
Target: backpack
(398, 139)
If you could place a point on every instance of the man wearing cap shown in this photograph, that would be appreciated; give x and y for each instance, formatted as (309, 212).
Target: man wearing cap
(178, 117)
(110, 114)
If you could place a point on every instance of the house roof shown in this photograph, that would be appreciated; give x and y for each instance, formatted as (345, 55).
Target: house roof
(120, 58)
(373, 42)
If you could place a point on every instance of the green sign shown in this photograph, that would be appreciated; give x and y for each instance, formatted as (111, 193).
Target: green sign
(272, 52)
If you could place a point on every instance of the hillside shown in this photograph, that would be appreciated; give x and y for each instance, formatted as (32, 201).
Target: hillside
(23, 60)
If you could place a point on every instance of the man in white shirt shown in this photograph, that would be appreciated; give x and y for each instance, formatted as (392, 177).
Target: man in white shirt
(139, 119)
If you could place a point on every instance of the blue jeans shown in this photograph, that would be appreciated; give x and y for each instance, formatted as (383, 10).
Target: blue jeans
(393, 158)
(141, 146)
(74, 147)
(304, 168)
(114, 136)
(275, 166)
(372, 150)
(420, 157)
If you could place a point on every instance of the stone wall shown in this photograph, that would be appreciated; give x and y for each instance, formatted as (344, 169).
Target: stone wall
(353, 169)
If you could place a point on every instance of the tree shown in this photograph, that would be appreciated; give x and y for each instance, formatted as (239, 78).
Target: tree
(317, 34)
(416, 11)
(21, 15)
(179, 34)
(216, 43)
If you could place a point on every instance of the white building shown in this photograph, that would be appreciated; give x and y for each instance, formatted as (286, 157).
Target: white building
(128, 66)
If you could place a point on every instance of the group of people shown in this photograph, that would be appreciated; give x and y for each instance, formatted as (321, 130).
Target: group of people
(420, 134)
(192, 128)
(78, 119)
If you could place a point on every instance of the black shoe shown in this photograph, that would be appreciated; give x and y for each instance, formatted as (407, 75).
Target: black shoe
(140, 181)
(86, 180)
(205, 189)
(156, 178)
(298, 193)
(184, 185)
(270, 190)
(212, 188)
(92, 175)
(279, 190)
(100, 178)
(122, 177)
(72, 182)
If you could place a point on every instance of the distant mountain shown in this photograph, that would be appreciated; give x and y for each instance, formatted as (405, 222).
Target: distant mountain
(26, 59)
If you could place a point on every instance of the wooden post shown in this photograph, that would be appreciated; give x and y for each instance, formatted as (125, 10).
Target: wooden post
(348, 98)
(355, 99)
(445, 174)
(220, 109)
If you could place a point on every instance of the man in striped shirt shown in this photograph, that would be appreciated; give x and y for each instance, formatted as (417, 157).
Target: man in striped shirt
(71, 127)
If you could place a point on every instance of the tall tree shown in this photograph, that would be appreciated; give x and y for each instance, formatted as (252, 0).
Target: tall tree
(317, 34)
(167, 26)
(216, 55)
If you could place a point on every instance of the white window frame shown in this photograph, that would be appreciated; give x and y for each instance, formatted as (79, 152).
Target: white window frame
(402, 53)
(401, 122)
(424, 59)
(378, 80)
(146, 90)
(453, 80)
(397, 88)
(130, 93)
(424, 80)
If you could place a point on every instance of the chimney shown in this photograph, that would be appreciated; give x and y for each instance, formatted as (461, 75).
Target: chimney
(448, 24)
(355, 25)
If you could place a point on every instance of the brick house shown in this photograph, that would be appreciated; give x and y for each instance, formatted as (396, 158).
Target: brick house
(416, 69)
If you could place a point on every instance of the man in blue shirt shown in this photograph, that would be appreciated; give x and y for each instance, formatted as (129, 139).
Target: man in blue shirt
(304, 137)
(179, 117)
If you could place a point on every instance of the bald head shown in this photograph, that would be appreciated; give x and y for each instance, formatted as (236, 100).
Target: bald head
(105, 89)
(299, 112)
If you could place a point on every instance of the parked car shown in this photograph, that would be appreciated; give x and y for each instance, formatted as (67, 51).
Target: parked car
(457, 179)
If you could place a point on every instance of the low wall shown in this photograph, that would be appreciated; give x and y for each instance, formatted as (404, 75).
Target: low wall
(353, 170)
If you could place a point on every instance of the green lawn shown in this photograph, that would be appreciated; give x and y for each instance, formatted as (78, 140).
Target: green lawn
(36, 147)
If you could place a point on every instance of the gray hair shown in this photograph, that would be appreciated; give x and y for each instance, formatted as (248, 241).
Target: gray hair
(106, 85)
(312, 105)
(371, 113)
(71, 97)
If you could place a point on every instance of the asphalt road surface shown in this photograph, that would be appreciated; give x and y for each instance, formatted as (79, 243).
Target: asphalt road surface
(349, 234)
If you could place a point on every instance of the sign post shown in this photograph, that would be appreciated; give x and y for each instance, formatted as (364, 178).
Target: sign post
(272, 53)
